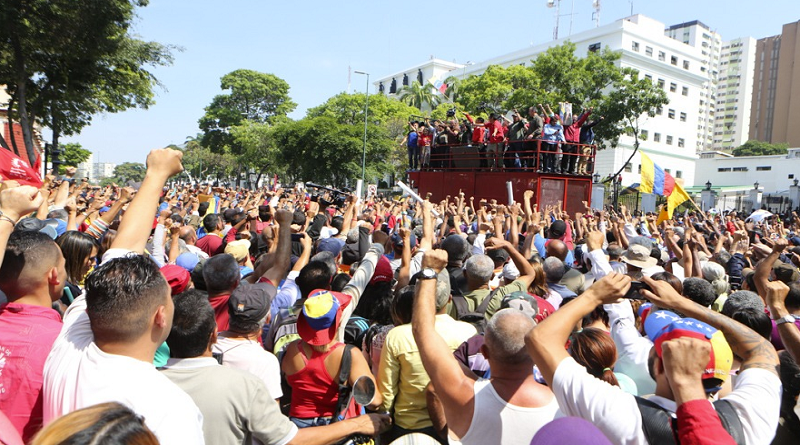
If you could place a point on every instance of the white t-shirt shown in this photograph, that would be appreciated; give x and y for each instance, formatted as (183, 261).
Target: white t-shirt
(755, 397)
(249, 356)
(77, 374)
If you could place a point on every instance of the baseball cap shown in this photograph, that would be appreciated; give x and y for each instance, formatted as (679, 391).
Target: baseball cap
(795, 241)
(785, 272)
(383, 271)
(557, 229)
(239, 249)
(569, 431)
(177, 277)
(638, 256)
(332, 245)
(249, 303)
(721, 356)
(187, 260)
(47, 226)
(397, 240)
(521, 301)
(320, 316)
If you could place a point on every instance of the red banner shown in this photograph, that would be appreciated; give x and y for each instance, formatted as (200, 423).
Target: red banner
(14, 168)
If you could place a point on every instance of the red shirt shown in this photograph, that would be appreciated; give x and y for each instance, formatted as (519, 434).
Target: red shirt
(424, 140)
(699, 424)
(477, 135)
(220, 305)
(210, 244)
(495, 138)
(27, 334)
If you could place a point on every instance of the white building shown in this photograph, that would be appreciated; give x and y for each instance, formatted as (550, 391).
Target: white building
(102, 170)
(435, 69)
(734, 93)
(85, 169)
(671, 136)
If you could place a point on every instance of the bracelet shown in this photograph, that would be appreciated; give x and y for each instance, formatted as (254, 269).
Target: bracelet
(4, 217)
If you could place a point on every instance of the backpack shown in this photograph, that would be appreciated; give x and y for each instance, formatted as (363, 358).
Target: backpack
(660, 428)
(476, 318)
(354, 330)
(283, 332)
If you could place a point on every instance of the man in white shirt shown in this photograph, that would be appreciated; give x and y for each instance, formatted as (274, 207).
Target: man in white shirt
(105, 350)
(755, 398)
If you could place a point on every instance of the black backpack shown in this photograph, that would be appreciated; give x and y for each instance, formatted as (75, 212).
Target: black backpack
(476, 318)
(660, 428)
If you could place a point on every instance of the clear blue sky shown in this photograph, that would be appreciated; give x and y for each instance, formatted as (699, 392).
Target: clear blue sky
(310, 44)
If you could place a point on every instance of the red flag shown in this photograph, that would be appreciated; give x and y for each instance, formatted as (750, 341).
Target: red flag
(14, 168)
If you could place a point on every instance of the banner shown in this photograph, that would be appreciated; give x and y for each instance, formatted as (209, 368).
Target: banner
(14, 168)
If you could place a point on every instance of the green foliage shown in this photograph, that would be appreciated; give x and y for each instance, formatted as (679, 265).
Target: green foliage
(253, 96)
(200, 162)
(129, 171)
(758, 148)
(64, 61)
(500, 89)
(324, 150)
(348, 109)
(73, 155)
(419, 96)
(440, 112)
(259, 152)
(629, 98)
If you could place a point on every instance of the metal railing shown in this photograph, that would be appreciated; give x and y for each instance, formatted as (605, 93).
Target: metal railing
(534, 155)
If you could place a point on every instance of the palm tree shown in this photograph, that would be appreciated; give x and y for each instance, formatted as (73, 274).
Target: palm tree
(418, 95)
(453, 88)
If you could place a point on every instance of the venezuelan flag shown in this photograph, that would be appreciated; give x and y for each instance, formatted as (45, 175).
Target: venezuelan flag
(655, 179)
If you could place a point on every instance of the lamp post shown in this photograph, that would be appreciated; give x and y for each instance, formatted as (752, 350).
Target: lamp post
(708, 185)
(755, 186)
(366, 109)
(596, 178)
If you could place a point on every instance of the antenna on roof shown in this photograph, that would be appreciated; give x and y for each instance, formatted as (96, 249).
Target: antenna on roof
(596, 13)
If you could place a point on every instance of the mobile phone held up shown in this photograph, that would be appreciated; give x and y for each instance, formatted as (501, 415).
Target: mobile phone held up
(634, 292)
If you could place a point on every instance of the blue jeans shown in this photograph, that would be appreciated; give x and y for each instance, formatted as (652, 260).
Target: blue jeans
(413, 157)
(313, 421)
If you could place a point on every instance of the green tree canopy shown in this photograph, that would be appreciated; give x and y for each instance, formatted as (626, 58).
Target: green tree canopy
(64, 61)
(758, 148)
(129, 171)
(419, 96)
(348, 109)
(252, 96)
(73, 155)
(323, 150)
(200, 162)
(260, 155)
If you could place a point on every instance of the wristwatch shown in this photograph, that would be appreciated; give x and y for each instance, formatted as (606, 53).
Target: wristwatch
(785, 319)
(427, 274)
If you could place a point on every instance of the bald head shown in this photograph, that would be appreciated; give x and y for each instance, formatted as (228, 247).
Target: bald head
(505, 337)
(188, 235)
(556, 248)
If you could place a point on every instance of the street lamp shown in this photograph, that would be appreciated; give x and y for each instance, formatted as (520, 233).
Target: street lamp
(596, 178)
(795, 182)
(708, 185)
(366, 109)
(755, 186)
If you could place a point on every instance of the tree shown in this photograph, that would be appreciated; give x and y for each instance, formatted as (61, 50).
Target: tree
(259, 153)
(758, 148)
(499, 89)
(348, 109)
(323, 150)
(419, 96)
(199, 162)
(73, 155)
(252, 96)
(453, 88)
(64, 61)
(623, 107)
(129, 171)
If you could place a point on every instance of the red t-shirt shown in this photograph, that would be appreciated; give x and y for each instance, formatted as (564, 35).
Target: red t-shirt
(210, 244)
(220, 305)
(477, 135)
(424, 140)
(27, 334)
(498, 137)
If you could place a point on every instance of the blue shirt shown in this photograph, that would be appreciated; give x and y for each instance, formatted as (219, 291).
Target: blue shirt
(412, 139)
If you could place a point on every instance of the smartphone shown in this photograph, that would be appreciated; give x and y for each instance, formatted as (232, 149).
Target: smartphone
(634, 292)
(297, 237)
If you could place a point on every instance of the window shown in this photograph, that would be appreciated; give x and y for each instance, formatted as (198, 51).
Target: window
(669, 140)
(660, 110)
(657, 137)
(681, 142)
(594, 47)
(648, 77)
(673, 87)
(683, 117)
(791, 176)
(671, 114)
(662, 56)
(635, 46)
(661, 83)
(667, 171)
(628, 167)
(648, 50)
(678, 174)
(723, 169)
(764, 168)
(740, 169)
(685, 92)
(686, 64)
(674, 60)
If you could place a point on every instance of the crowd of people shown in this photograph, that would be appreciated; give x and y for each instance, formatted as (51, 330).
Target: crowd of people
(539, 140)
(192, 314)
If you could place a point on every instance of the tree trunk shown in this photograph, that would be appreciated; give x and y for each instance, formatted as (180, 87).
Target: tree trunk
(22, 106)
(11, 104)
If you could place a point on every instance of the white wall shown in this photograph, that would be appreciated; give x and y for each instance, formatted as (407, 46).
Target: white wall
(773, 173)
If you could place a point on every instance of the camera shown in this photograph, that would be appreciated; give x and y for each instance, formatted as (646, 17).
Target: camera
(339, 196)
(451, 112)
